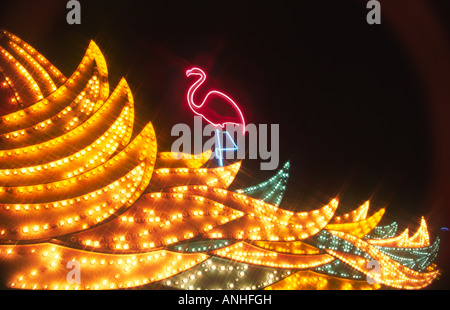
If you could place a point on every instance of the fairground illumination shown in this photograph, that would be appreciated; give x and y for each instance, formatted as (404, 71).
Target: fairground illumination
(78, 188)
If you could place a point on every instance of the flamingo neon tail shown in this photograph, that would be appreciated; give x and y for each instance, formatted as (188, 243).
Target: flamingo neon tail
(257, 142)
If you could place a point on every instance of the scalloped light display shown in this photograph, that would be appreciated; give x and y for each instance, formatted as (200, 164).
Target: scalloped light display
(76, 184)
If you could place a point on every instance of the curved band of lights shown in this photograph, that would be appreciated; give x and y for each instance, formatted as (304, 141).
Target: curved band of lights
(78, 187)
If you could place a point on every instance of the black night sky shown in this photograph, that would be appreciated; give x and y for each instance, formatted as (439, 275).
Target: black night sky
(363, 109)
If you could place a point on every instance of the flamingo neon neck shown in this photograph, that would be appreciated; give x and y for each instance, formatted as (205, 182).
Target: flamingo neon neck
(196, 108)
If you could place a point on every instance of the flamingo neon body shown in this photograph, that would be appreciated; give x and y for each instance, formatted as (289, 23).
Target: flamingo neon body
(199, 109)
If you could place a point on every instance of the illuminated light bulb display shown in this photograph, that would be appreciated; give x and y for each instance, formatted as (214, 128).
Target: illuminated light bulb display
(157, 220)
(30, 90)
(357, 215)
(47, 86)
(247, 253)
(419, 239)
(295, 247)
(182, 160)
(415, 258)
(358, 229)
(78, 185)
(55, 75)
(101, 271)
(201, 246)
(221, 177)
(383, 232)
(325, 240)
(218, 274)
(309, 280)
(392, 273)
(272, 190)
(338, 269)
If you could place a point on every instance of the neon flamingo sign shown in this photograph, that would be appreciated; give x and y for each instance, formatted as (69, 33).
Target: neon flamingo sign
(209, 112)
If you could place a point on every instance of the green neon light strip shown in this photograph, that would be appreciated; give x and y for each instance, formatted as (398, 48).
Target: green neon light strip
(383, 232)
(272, 190)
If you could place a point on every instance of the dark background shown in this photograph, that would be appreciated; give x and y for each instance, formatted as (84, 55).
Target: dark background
(363, 109)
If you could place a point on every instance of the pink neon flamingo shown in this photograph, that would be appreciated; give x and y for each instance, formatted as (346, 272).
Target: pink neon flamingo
(207, 110)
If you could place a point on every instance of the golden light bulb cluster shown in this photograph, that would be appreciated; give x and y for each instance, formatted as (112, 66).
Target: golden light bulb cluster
(53, 219)
(8, 83)
(87, 180)
(177, 160)
(75, 188)
(294, 247)
(247, 253)
(118, 133)
(75, 173)
(70, 117)
(100, 271)
(219, 177)
(62, 103)
(420, 239)
(263, 221)
(39, 70)
(79, 137)
(30, 90)
(56, 76)
(360, 228)
(356, 215)
(310, 280)
(160, 219)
